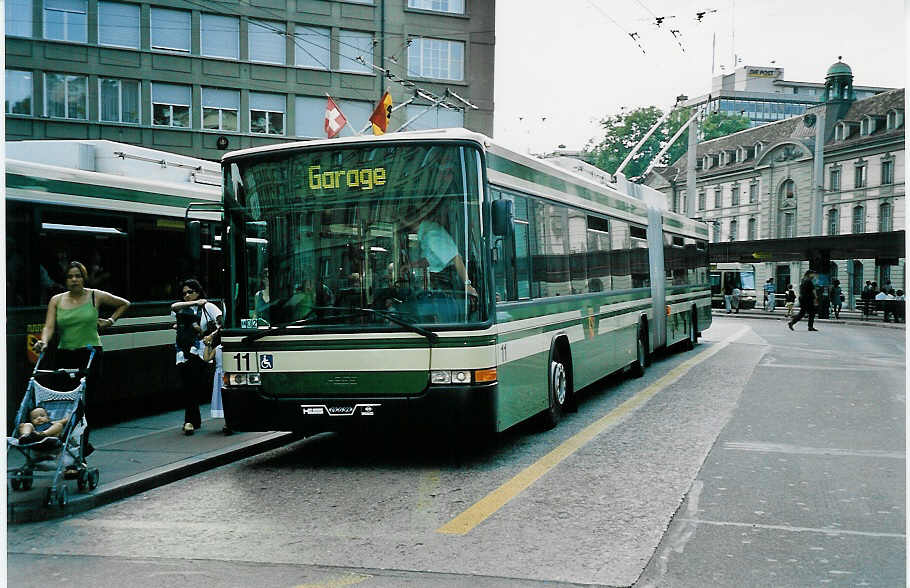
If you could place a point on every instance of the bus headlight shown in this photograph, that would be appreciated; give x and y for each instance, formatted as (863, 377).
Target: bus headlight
(462, 376)
(242, 379)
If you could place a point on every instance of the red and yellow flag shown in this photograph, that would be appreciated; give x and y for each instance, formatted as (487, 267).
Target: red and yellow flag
(382, 115)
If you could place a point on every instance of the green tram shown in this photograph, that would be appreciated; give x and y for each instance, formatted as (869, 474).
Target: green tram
(436, 279)
(120, 210)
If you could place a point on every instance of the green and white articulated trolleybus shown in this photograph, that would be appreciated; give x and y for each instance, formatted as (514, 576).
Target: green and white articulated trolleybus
(436, 279)
(120, 210)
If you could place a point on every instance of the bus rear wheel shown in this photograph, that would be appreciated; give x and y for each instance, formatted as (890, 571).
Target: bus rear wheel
(558, 384)
(641, 355)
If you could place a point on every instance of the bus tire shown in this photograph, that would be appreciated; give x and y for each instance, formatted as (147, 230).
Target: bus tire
(558, 392)
(692, 340)
(641, 352)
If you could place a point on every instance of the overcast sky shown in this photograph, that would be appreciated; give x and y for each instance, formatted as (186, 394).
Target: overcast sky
(563, 66)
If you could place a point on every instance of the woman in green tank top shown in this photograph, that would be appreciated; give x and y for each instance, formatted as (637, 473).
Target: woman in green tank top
(73, 315)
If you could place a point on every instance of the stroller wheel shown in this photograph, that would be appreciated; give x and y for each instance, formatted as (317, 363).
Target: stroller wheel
(93, 477)
(16, 483)
(49, 496)
(83, 481)
(27, 480)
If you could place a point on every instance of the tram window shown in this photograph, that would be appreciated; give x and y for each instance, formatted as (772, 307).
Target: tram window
(598, 254)
(522, 258)
(578, 249)
(20, 270)
(159, 261)
(640, 270)
(620, 244)
(551, 262)
(97, 241)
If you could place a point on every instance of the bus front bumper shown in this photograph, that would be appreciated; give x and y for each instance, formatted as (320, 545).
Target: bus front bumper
(456, 407)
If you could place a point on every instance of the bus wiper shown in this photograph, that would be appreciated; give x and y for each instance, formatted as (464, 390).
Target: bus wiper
(430, 335)
(272, 330)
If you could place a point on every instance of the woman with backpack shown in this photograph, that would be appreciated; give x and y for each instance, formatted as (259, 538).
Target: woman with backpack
(198, 322)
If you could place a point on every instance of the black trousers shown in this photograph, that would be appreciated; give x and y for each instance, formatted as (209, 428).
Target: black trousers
(195, 384)
(805, 310)
(78, 358)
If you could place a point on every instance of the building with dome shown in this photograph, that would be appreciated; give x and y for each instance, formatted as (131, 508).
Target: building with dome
(835, 172)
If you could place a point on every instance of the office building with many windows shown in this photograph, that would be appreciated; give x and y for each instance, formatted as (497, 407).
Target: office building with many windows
(201, 78)
(763, 95)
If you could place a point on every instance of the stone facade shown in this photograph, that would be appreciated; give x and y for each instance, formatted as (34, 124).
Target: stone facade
(762, 183)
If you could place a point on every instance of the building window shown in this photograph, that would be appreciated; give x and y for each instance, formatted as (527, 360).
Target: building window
(753, 193)
(451, 6)
(839, 132)
(733, 230)
(66, 96)
(716, 226)
(702, 200)
(888, 171)
(432, 117)
(436, 58)
(718, 198)
(753, 229)
(865, 126)
(220, 36)
(171, 105)
(859, 176)
(220, 109)
(835, 179)
(734, 196)
(65, 20)
(859, 220)
(171, 29)
(119, 100)
(885, 223)
(19, 88)
(267, 113)
(355, 51)
(894, 119)
(267, 41)
(19, 18)
(312, 47)
(788, 190)
(833, 224)
(118, 24)
(789, 226)
(309, 116)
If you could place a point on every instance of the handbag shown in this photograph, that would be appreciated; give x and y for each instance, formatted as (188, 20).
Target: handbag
(208, 351)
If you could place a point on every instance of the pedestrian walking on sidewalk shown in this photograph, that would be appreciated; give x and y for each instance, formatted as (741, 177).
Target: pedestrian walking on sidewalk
(837, 298)
(770, 292)
(790, 299)
(196, 319)
(73, 317)
(808, 301)
(728, 297)
(736, 298)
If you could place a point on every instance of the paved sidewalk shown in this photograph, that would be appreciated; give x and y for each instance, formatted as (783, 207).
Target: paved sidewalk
(140, 455)
(853, 317)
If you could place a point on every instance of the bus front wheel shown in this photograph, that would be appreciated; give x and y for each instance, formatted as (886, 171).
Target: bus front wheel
(558, 384)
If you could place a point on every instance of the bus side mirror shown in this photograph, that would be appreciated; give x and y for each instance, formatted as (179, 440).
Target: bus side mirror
(194, 239)
(502, 218)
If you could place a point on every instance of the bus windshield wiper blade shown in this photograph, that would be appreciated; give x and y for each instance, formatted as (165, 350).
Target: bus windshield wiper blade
(430, 335)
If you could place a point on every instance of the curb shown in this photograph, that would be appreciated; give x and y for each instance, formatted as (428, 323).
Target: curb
(107, 493)
(767, 317)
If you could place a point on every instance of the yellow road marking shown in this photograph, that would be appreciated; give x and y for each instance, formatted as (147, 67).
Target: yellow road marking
(489, 504)
(346, 580)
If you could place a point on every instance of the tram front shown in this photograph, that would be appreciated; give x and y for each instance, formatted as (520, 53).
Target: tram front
(356, 273)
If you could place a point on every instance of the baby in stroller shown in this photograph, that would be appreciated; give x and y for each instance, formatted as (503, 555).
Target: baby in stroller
(39, 426)
(49, 431)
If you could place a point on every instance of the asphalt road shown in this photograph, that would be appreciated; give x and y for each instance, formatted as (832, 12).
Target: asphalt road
(762, 458)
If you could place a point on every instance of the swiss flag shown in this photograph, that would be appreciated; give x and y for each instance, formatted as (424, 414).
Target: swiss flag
(334, 120)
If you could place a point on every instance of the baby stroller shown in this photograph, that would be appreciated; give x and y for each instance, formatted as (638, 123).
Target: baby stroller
(65, 453)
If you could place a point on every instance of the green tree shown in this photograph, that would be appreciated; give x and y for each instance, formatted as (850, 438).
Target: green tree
(718, 124)
(624, 130)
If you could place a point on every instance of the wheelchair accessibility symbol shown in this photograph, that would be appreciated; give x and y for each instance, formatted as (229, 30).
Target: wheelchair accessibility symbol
(265, 362)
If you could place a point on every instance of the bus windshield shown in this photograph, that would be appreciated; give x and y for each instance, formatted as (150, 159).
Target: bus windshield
(352, 235)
